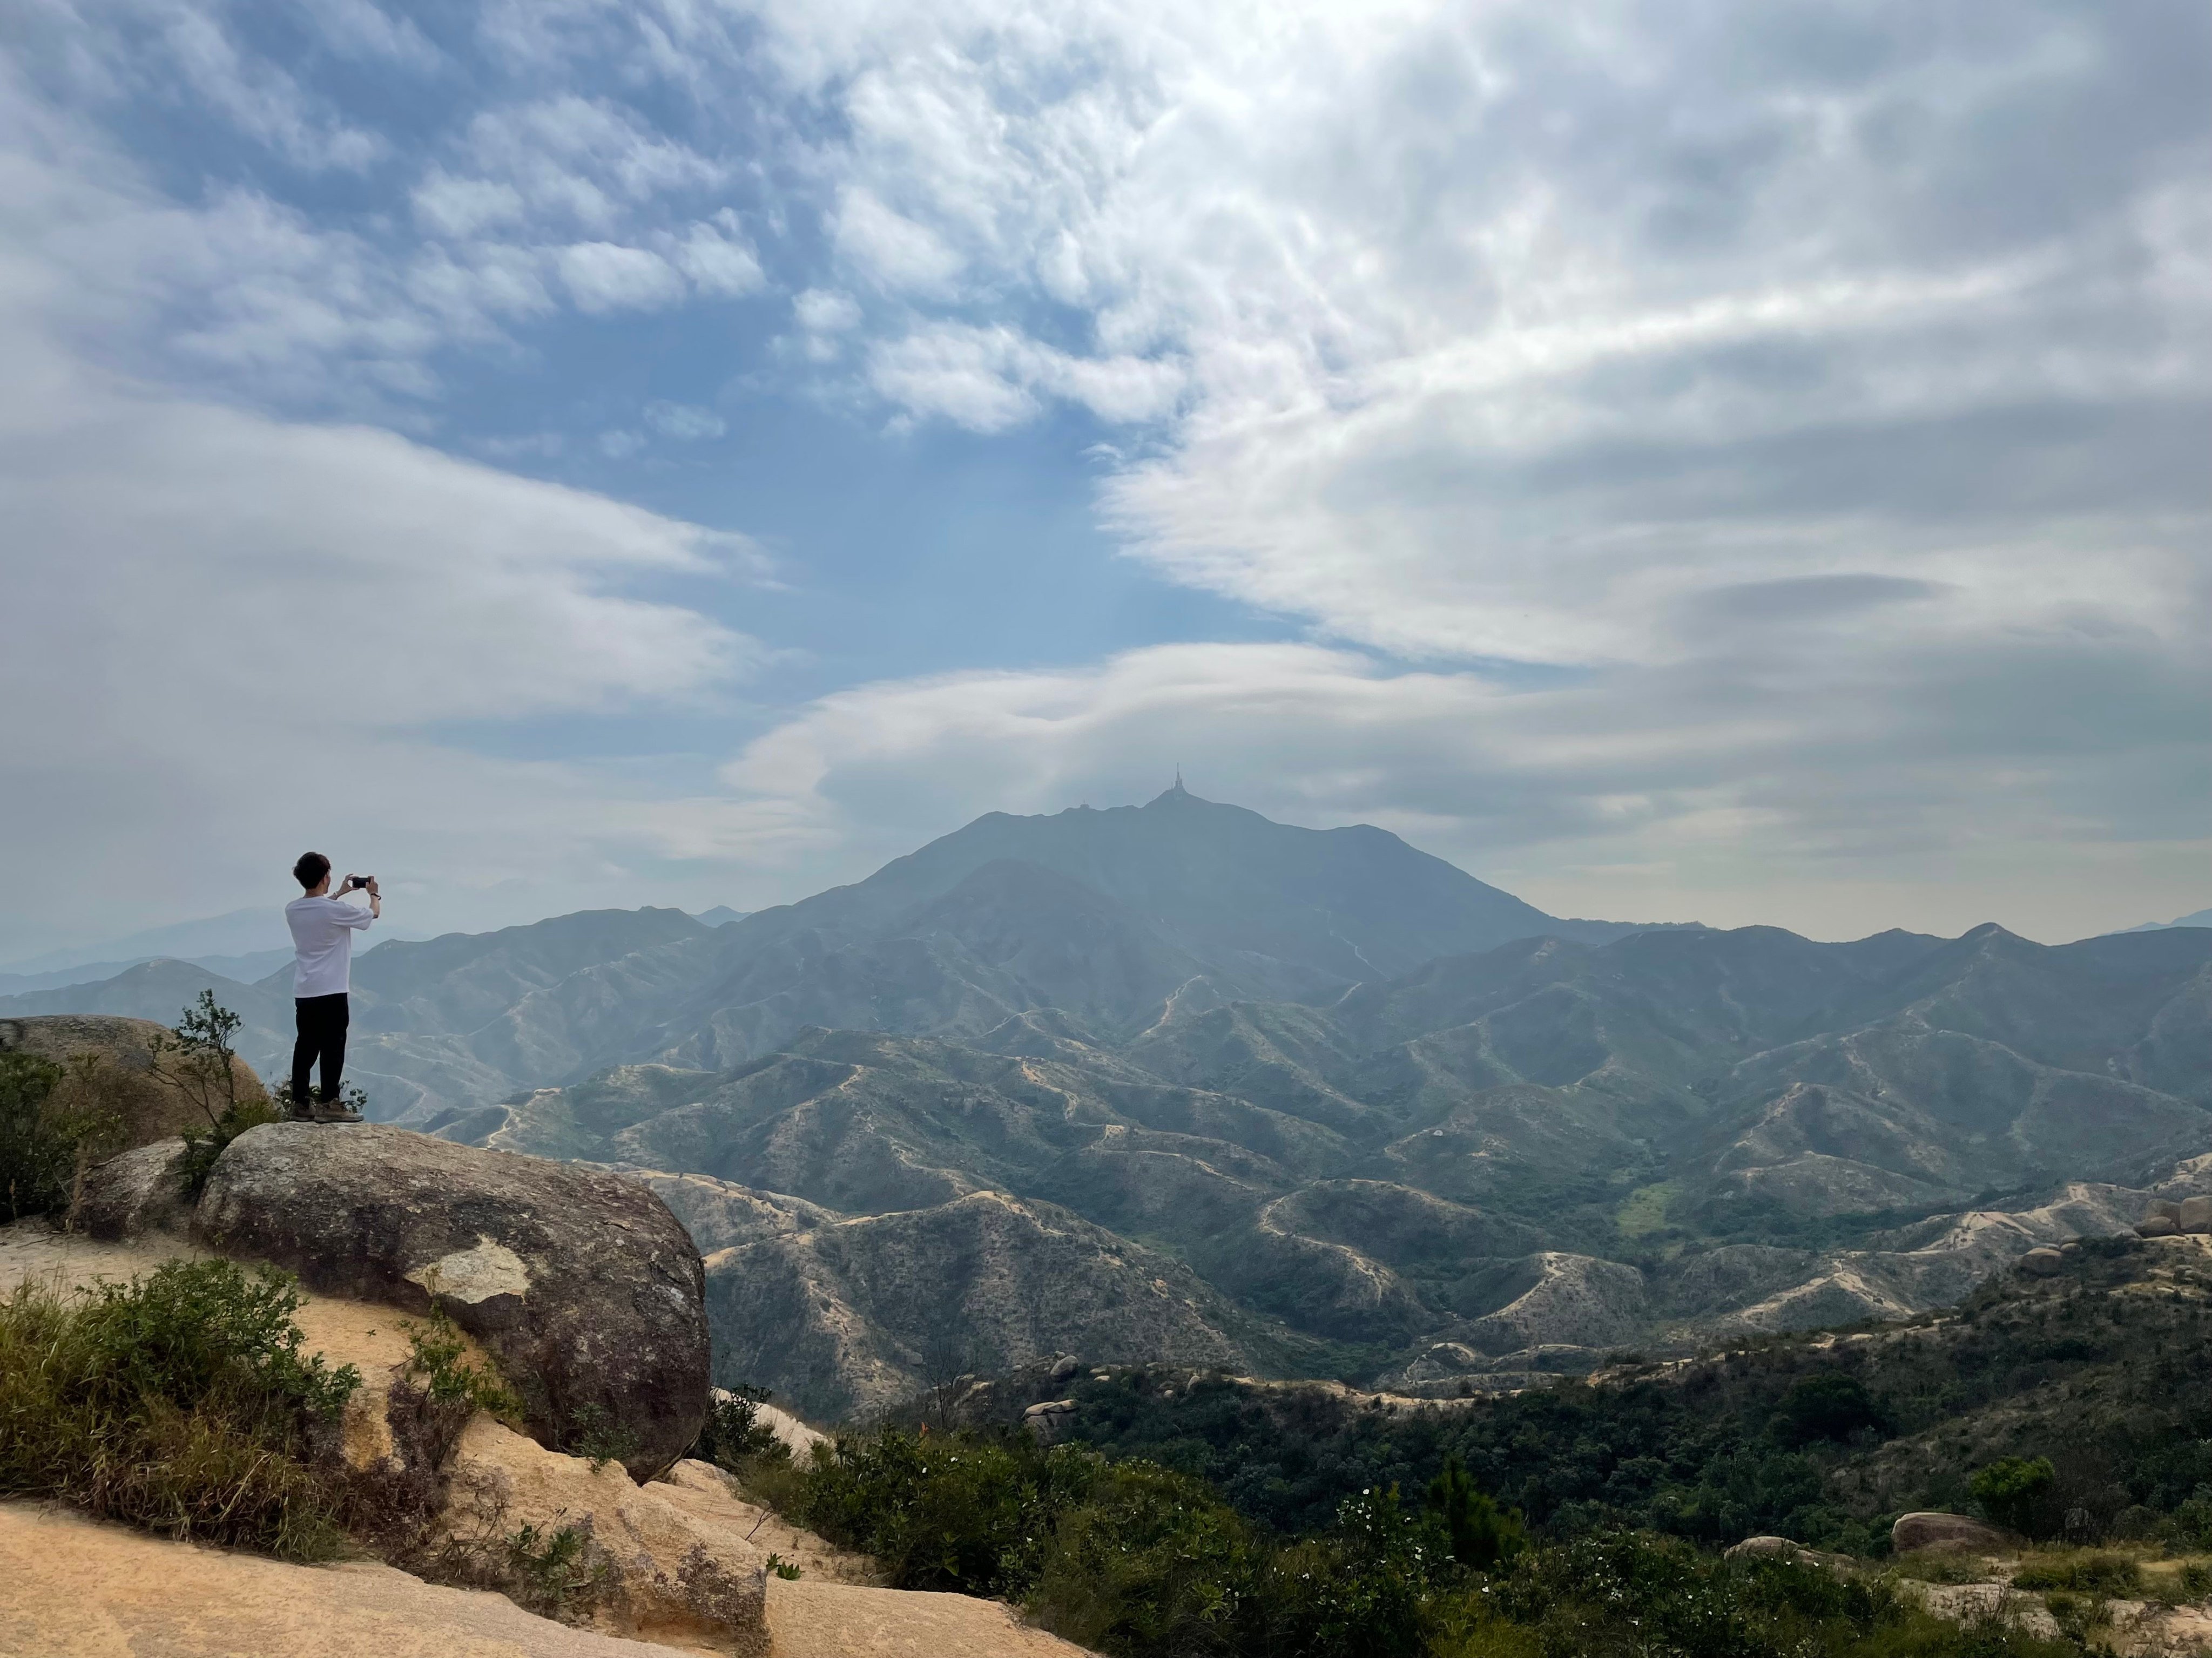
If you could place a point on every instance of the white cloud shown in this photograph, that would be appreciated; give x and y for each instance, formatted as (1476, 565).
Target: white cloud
(604, 276)
(822, 312)
(684, 422)
(986, 379)
(584, 160)
(246, 629)
(717, 258)
(230, 634)
(1810, 402)
(359, 28)
(260, 99)
(1509, 333)
(454, 206)
(891, 251)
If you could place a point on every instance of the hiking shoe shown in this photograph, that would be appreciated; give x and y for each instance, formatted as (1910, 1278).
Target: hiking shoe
(332, 1111)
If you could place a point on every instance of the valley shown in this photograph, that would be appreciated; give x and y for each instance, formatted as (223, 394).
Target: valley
(1177, 1084)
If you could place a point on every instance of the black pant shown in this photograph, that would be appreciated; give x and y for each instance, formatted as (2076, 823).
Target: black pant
(323, 1021)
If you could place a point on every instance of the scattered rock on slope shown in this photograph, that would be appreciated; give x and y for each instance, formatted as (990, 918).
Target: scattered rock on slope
(581, 1283)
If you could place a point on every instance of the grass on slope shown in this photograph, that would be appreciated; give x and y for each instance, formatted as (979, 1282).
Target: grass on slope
(180, 1403)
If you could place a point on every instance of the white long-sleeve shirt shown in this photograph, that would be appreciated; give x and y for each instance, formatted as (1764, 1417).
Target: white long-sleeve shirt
(322, 933)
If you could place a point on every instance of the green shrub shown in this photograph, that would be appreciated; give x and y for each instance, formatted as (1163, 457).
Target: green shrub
(438, 1363)
(555, 1573)
(942, 1511)
(44, 1142)
(1630, 1594)
(593, 1434)
(1148, 1561)
(2018, 1492)
(1827, 1404)
(1134, 1560)
(2088, 1571)
(733, 1436)
(1479, 1534)
(181, 1402)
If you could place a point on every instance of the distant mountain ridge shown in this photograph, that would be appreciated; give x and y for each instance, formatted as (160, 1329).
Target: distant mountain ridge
(1303, 1100)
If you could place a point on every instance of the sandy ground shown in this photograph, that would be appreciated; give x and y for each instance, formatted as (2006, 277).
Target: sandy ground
(32, 1249)
(841, 1620)
(77, 1588)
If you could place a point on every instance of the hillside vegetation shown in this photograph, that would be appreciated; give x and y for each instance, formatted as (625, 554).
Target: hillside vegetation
(1175, 1083)
(1822, 1437)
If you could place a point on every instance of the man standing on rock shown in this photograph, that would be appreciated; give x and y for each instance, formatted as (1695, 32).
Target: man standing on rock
(322, 978)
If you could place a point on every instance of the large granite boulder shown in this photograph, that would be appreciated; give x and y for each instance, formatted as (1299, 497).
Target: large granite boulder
(117, 1066)
(127, 1197)
(581, 1283)
(1929, 1529)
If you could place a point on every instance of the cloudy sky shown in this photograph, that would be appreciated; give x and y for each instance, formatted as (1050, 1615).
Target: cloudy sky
(1731, 459)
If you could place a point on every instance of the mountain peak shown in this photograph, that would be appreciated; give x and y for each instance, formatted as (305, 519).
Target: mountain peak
(1174, 792)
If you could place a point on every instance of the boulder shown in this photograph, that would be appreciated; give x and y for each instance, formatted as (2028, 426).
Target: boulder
(2044, 1261)
(2170, 1207)
(1756, 1548)
(1049, 1420)
(655, 1566)
(127, 1197)
(1930, 1530)
(2195, 1215)
(581, 1283)
(110, 1064)
(2157, 1226)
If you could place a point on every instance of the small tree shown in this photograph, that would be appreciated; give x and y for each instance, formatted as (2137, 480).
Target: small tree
(1826, 1405)
(2019, 1493)
(198, 1059)
(1482, 1536)
(945, 1361)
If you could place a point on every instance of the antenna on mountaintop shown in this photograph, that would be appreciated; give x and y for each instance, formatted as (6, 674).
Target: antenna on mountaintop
(1178, 777)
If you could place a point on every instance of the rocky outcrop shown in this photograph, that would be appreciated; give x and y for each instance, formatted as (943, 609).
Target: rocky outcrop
(118, 1067)
(137, 1194)
(1931, 1530)
(581, 1283)
(655, 1567)
(1050, 1420)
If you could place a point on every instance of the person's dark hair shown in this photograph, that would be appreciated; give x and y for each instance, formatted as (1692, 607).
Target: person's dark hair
(310, 868)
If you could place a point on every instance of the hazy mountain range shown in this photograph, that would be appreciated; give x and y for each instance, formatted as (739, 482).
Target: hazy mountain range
(1177, 1082)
